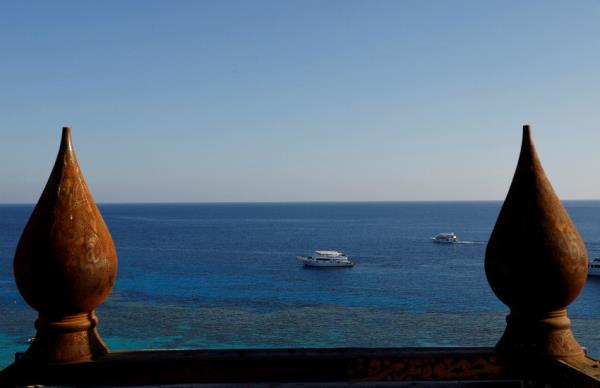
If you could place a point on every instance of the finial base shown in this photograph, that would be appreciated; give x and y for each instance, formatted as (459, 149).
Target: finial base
(544, 334)
(66, 340)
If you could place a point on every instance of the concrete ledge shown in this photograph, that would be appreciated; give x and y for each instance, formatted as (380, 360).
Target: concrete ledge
(338, 367)
(264, 365)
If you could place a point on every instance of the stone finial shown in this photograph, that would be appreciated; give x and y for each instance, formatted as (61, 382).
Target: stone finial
(536, 263)
(65, 265)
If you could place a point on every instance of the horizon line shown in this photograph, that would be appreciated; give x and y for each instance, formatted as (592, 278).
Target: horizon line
(302, 202)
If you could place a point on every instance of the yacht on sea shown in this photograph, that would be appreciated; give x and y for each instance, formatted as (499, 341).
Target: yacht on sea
(445, 238)
(594, 267)
(326, 259)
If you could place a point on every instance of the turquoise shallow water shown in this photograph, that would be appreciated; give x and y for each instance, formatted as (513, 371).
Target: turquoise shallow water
(225, 276)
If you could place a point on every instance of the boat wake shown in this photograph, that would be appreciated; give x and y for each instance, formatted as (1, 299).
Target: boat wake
(471, 242)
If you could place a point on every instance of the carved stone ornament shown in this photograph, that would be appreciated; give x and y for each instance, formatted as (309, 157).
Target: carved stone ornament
(536, 263)
(65, 265)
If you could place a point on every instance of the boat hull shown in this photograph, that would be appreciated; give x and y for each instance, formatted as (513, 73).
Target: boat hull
(445, 238)
(594, 270)
(443, 241)
(322, 263)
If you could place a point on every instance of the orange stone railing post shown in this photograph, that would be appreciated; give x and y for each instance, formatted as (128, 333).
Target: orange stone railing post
(65, 265)
(536, 263)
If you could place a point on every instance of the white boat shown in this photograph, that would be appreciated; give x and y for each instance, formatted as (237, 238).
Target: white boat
(445, 238)
(594, 267)
(326, 259)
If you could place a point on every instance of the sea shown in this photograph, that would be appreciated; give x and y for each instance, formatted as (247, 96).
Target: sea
(225, 275)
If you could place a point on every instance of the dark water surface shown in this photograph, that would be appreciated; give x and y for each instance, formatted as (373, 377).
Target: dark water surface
(225, 276)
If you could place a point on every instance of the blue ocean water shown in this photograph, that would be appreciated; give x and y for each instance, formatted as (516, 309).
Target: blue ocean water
(225, 276)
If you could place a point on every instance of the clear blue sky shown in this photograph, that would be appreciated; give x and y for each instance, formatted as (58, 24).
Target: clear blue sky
(299, 100)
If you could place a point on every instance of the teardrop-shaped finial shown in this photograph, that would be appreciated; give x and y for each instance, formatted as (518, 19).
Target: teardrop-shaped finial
(65, 264)
(536, 262)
